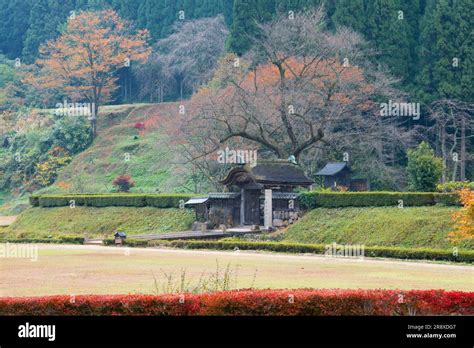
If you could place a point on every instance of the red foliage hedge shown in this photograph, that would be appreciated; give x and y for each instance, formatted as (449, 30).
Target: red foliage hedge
(251, 302)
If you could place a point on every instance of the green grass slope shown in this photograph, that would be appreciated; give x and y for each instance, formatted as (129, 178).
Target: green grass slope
(382, 226)
(148, 156)
(97, 222)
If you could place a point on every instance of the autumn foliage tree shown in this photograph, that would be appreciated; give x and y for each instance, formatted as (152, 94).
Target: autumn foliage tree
(82, 62)
(123, 183)
(301, 88)
(464, 218)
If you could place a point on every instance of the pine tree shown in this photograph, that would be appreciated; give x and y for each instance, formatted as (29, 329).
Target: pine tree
(126, 9)
(350, 13)
(243, 26)
(14, 16)
(37, 32)
(447, 52)
(388, 31)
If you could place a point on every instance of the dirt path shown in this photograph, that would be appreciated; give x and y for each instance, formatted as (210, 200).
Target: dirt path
(77, 269)
(7, 220)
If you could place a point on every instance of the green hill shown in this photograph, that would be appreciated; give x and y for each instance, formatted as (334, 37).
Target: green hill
(96, 222)
(382, 226)
(372, 226)
(151, 156)
(148, 156)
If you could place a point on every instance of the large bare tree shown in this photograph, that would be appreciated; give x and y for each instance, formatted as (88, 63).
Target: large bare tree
(299, 89)
(184, 60)
(453, 128)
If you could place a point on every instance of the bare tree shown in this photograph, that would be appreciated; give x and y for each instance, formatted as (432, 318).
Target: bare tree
(453, 128)
(184, 60)
(299, 89)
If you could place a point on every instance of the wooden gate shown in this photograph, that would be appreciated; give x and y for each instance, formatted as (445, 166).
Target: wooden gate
(252, 207)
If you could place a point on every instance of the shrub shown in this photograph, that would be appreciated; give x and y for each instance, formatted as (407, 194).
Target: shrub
(171, 200)
(72, 133)
(62, 239)
(139, 125)
(370, 251)
(304, 302)
(92, 200)
(423, 168)
(47, 171)
(452, 186)
(167, 201)
(464, 219)
(34, 200)
(311, 200)
(128, 241)
(123, 182)
(451, 198)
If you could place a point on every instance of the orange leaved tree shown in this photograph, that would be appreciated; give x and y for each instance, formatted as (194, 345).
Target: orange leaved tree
(82, 62)
(464, 219)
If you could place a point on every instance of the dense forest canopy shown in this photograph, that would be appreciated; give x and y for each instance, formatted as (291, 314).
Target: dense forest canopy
(414, 38)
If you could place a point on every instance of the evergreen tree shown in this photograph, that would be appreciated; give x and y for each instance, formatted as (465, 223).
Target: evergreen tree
(447, 53)
(243, 26)
(46, 17)
(350, 13)
(14, 16)
(388, 31)
(37, 31)
(423, 168)
(126, 9)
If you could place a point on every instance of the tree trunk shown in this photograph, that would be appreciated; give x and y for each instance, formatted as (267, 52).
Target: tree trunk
(94, 112)
(463, 149)
(442, 136)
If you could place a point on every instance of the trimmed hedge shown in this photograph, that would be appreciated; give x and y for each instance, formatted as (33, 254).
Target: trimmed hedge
(290, 302)
(110, 200)
(311, 200)
(451, 198)
(128, 242)
(308, 200)
(63, 239)
(370, 251)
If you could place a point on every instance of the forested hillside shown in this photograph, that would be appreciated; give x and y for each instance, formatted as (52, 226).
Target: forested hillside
(413, 37)
(223, 57)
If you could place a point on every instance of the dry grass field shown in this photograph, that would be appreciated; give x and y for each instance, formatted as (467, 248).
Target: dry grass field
(70, 269)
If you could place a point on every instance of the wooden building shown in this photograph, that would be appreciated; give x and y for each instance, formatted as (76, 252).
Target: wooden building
(336, 174)
(261, 194)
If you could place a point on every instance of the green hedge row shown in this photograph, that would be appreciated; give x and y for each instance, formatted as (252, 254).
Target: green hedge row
(129, 242)
(311, 200)
(64, 239)
(110, 200)
(369, 251)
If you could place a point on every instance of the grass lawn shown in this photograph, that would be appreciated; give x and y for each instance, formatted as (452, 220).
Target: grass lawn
(40, 222)
(69, 269)
(382, 226)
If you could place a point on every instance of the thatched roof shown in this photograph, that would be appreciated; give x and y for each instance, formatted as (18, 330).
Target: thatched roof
(280, 172)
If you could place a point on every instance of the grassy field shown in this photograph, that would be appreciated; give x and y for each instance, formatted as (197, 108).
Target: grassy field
(97, 222)
(67, 269)
(382, 226)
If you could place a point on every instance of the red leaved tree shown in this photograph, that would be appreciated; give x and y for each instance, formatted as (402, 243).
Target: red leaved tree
(123, 183)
